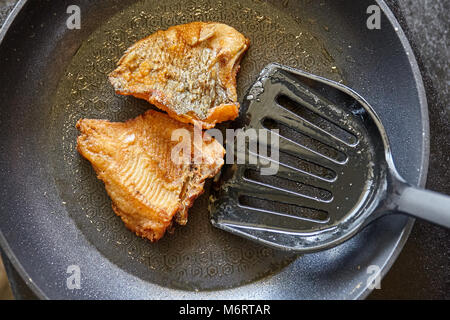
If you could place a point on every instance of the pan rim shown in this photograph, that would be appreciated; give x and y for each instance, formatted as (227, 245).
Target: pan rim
(425, 156)
(424, 159)
(3, 243)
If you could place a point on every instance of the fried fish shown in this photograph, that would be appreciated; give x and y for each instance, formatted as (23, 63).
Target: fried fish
(148, 184)
(189, 71)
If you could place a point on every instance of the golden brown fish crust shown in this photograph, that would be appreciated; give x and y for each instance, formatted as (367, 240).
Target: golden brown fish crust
(188, 70)
(134, 160)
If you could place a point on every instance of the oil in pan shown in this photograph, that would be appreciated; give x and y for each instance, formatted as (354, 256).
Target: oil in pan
(196, 256)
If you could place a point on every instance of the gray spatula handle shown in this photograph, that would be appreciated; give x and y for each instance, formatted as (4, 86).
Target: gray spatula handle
(424, 204)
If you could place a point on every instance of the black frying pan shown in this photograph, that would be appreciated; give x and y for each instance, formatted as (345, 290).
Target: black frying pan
(56, 214)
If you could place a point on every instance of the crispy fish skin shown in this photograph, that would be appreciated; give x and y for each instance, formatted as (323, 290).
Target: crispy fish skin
(189, 71)
(133, 158)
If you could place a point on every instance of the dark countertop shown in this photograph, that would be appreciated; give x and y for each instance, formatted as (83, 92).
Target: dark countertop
(422, 270)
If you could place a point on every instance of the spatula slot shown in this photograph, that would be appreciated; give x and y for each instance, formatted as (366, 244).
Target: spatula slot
(307, 166)
(288, 184)
(290, 210)
(299, 137)
(319, 121)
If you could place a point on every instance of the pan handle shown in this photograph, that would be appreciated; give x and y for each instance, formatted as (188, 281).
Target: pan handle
(424, 204)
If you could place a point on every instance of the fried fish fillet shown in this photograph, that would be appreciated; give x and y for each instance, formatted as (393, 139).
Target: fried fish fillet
(148, 186)
(189, 71)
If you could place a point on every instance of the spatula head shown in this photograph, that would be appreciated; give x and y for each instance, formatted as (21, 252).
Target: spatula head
(326, 177)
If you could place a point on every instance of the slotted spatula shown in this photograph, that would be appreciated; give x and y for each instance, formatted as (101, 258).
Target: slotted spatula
(335, 173)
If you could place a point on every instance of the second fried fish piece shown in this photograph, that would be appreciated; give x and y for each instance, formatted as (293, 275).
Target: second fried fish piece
(189, 71)
(148, 184)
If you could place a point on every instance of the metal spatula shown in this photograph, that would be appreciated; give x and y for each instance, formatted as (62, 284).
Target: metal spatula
(335, 170)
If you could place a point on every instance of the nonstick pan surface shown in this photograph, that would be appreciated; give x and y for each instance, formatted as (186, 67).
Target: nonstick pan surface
(56, 214)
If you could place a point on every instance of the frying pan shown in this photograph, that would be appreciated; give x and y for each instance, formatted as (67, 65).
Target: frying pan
(55, 213)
